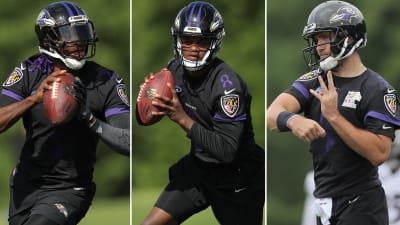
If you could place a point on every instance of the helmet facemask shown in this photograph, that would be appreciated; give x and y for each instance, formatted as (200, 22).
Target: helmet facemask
(340, 45)
(211, 52)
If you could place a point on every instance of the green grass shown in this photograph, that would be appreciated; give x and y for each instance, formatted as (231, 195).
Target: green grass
(103, 212)
(143, 200)
(108, 211)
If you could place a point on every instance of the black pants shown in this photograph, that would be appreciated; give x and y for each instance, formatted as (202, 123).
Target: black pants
(364, 208)
(235, 197)
(62, 207)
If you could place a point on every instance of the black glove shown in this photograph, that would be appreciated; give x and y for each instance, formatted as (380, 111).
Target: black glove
(85, 114)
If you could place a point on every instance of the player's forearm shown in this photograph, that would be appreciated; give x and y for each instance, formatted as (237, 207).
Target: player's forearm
(375, 148)
(11, 113)
(223, 146)
(117, 139)
(186, 123)
(284, 102)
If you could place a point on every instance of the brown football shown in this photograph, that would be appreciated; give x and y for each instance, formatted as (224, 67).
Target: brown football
(59, 103)
(156, 85)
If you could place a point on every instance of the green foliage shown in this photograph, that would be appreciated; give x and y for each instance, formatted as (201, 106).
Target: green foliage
(288, 157)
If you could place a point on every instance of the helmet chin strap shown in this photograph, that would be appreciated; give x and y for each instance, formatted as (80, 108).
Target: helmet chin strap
(72, 64)
(195, 65)
(331, 62)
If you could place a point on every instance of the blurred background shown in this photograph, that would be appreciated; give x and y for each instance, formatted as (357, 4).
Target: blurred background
(157, 147)
(17, 42)
(288, 158)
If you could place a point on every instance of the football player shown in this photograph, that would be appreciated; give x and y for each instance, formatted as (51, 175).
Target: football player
(52, 184)
(349, 117)
(211, 103)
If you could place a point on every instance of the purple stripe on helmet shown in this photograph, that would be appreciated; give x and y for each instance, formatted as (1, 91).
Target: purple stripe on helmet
(115, 111)
(198, 19)
(11, 95)
(302, 90)
(77, 9)
(224, 119)
(381, 116)
(68, 8)
(191, 12)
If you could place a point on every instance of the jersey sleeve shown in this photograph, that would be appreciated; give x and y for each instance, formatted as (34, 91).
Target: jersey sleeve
(14, 87)
(117, 99)
(25, 79)
(382, 113)
(230, 102)
(300, 88)
(231, 99)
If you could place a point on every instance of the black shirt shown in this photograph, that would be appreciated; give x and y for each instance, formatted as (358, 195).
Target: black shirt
(368, 102)
(219, 103)
(64, 155)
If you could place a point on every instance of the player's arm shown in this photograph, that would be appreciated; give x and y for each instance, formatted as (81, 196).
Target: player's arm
(282, 116)
(11, 113)
(222, 142)
(374, 147)
(283, 103)
(115, 133)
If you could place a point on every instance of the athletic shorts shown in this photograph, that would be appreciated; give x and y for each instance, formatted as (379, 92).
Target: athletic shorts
(234, 198)
(364, 208)
(64, 207)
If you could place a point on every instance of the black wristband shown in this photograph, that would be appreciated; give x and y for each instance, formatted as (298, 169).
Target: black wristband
(281, 120)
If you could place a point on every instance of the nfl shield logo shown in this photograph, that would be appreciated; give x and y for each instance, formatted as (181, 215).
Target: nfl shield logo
(230, 104)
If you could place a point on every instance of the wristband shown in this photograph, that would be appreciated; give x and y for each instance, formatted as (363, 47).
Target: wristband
(282, 120)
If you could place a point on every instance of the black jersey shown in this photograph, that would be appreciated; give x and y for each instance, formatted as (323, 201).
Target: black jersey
(64, 155)
(368, 102)
(219, 103)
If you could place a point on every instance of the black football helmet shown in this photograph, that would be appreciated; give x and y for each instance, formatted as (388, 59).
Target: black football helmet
(344, 20)
(199, 19)
(64, 25)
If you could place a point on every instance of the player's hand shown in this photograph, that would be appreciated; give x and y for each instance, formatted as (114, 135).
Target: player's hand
(172, 107)
(306, 129)
(80, 95)
(328, 97)
(47, 85)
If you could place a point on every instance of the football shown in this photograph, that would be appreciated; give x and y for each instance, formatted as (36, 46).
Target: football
(156, 85)
(59, 103)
